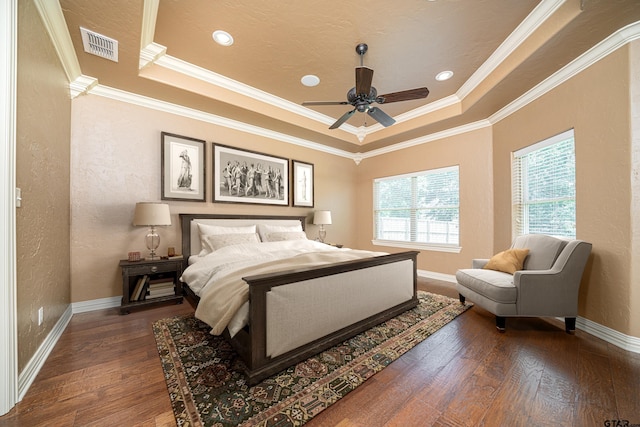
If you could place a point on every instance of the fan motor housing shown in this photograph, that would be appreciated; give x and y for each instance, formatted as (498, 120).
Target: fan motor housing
(352, 96)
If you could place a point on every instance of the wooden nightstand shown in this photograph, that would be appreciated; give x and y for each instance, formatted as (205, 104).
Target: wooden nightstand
(150, 282)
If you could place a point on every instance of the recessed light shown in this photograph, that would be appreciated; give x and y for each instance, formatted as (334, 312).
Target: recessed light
(310, 80)
(222, 38)
(444, 75)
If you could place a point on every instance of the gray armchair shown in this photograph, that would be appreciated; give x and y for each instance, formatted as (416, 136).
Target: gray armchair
(546, 286)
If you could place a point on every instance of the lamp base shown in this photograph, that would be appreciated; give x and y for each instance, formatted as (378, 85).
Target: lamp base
(322, 234)
(152, 239)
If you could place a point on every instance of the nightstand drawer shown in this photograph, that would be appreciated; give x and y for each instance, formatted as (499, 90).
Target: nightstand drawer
(165, 267)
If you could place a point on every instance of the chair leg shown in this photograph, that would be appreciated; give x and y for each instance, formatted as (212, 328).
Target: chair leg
(462, 298)
(501, 324)
(570, 325)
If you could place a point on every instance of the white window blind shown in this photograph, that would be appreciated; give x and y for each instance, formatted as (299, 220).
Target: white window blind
(544, 188)
(421, 207)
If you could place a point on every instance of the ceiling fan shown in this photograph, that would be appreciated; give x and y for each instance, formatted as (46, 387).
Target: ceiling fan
(363, 95)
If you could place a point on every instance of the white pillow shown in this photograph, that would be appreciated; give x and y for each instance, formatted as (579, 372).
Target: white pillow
(265, 229)
(278, 236)
(206, 229)
(213, 242)
(218, 229)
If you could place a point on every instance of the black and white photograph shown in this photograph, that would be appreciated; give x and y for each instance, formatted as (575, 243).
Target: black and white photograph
(183, 168)
(302, 184)
(242, 176)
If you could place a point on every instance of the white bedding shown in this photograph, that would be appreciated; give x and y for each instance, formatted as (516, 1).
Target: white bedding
(217, 277)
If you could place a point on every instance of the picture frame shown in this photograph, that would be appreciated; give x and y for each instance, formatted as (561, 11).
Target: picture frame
(302, 184)
(244, 176)
(183, 174)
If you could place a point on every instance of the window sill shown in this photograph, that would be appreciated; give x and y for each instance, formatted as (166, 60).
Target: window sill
(418, 246)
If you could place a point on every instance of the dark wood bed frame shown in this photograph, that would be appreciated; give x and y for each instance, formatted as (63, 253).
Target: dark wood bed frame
(250, 343)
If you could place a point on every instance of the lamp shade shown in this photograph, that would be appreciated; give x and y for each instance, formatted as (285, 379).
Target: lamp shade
(151, 213)
(322, 217)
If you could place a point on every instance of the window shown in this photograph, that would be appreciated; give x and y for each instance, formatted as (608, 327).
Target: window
(544, 188)
(418, 209)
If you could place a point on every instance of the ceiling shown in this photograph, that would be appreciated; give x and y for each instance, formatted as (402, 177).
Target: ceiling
(497, 49)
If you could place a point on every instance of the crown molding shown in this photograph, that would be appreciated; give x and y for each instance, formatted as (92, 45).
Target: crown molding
(53, 20)
(612, 43)
(150, 54)
(149, 17)
(535, 19)
(418, 112)
(469, 127)
(154, 104)
(81, 85)
(210, 77)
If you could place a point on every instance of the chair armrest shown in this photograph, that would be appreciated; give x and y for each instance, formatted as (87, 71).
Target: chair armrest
(479, 262)
(553, 292)
(545, 293)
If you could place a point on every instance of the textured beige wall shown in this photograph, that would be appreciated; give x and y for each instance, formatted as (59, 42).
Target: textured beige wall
(42, 160)
(596, 104)
(115, 162)
(471, 151)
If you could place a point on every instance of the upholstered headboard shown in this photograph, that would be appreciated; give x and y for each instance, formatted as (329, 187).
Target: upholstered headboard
(191, 238)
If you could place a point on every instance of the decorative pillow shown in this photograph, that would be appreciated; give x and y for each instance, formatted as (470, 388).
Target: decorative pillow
(265, 229)
(213, 242)
(508, 261)
(278, 236)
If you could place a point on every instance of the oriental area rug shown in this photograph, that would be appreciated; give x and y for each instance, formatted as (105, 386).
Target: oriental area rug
(207, 386)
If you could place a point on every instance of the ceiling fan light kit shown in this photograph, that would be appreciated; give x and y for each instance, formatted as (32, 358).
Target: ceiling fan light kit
(363, 94)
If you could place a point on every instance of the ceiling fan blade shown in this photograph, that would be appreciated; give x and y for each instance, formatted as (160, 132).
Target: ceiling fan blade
(343, 119)
(364, 77)
(381, 117)
(325, 103)
(405, 95)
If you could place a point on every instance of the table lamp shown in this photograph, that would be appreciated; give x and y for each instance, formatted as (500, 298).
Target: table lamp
(322, 218)
(152, 214)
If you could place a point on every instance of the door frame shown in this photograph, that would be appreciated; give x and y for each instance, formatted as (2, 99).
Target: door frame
(8, 80)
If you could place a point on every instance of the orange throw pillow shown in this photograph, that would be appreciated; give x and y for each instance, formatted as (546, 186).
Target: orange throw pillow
(508, 261)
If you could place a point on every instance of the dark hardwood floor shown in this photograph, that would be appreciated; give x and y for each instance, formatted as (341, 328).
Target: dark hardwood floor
(105, 371)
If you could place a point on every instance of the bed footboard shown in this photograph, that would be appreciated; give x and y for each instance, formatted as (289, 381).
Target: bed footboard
(332, 303)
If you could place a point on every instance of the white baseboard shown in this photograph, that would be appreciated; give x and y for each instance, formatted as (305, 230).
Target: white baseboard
(96, 304)
(625, 342)
(437, 276)
(29, 373)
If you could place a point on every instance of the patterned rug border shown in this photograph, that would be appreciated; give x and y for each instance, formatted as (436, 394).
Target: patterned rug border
(303, 405)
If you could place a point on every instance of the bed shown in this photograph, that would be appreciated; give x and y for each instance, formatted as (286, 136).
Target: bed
(298, 310)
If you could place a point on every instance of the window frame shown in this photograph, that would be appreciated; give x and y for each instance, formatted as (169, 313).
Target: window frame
(519, 214)
(439, 247)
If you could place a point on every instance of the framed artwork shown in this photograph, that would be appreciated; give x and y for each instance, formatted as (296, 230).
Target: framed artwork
(242, 176)
(183, 168)
(302, 183)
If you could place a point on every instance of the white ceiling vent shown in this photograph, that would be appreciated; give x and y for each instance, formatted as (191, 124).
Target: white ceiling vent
(97, 44)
